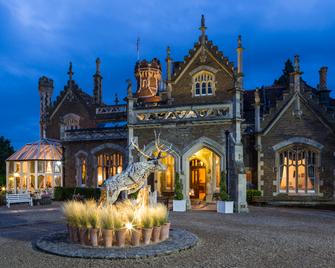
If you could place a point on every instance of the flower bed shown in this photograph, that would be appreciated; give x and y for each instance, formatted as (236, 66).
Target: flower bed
(123, 224)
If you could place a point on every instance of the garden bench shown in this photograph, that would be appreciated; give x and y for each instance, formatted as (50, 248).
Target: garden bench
(18, 198)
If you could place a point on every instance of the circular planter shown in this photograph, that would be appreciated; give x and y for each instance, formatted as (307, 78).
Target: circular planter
(58, 244)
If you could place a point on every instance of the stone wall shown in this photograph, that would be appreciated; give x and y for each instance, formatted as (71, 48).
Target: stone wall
(71, 149)
(288, 126)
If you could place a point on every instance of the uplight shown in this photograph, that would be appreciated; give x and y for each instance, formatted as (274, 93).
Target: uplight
(129, 225)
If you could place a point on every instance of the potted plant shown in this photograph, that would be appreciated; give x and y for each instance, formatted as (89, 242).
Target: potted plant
(179, 203)
(94, 223)
(164, 222)
(107, 224)
(136, 231)
(120, 230)
(147, 223)
(156, 231)
(83, 223)
(224, 204)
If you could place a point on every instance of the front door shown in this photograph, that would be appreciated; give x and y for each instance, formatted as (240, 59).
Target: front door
(197, 179)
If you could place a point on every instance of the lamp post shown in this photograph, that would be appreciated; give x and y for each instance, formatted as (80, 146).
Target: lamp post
(227, 162)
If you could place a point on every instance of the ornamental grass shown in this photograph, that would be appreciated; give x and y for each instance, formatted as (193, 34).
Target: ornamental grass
(115, 217)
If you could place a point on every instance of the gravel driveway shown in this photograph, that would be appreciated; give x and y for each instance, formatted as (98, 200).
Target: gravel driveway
(265, 237)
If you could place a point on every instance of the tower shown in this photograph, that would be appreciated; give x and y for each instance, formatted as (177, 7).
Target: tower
(97, 78)
(45, 89)
(148, 76)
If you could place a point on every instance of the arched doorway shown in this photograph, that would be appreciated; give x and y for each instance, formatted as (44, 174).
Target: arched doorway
(204, 174)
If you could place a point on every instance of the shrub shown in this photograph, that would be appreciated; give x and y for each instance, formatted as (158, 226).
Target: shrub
(107, 217)
(251, 193)
(224, 196)
(66, 193)
(178, 191)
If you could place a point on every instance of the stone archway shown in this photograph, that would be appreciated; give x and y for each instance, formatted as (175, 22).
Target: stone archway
(212, 155)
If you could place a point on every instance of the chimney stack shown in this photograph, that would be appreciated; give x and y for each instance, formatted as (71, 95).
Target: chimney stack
(323, 78)
(323, 90)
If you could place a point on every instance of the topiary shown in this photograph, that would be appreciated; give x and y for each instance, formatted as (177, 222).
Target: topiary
(178, 191)
(223, 196)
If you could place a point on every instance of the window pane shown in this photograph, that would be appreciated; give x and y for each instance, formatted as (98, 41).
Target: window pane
(311, 179)
(11, 167)
(40, 166)
(291, 178)
(32, 182)
(48, 183)
(209, 89)
(32, 166)
(40, 182)
(203, 88)
(58, 180)
(283, 178)
(58, 165)
(49, 166)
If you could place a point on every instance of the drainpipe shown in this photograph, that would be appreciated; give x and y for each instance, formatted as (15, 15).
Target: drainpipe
(227, 161)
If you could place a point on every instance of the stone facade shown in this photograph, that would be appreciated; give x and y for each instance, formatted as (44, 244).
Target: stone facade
(201, 99)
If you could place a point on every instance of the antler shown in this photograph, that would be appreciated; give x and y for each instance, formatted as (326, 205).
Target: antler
(132, 142)
(160, 147)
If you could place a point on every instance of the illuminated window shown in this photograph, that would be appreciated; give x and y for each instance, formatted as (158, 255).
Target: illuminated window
(165, 179)
(109, 164)
(83, 172)
(297, 170)
(203, 84)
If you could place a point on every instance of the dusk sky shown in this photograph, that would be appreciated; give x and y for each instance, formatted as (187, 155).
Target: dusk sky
(41, 38)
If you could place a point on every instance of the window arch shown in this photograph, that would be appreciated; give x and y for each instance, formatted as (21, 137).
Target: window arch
(297, 168)
(203, 84)
(109, 164)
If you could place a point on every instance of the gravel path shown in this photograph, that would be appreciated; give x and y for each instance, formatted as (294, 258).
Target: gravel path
(265, 237)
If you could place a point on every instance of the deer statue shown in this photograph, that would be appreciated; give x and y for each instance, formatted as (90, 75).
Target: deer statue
(135, 175)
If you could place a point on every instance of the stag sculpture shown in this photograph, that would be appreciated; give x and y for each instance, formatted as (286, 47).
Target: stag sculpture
(135, 175)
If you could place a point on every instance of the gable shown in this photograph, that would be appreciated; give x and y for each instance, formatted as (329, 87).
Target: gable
(310, 124)
(202, 61)
(70, 103)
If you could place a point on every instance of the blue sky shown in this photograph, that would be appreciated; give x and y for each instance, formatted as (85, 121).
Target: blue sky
(41, 37)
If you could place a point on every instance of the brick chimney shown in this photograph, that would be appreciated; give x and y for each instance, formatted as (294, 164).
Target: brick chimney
(323, 90)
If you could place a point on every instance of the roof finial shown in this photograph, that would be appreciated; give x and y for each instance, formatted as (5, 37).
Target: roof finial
(70, 72)
(239, 41)
(97, 62)
(116, 100)
(296, 63)
(168, 52)
(203, 27)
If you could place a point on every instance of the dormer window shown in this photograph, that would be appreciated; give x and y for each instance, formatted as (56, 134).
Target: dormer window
(203, 84)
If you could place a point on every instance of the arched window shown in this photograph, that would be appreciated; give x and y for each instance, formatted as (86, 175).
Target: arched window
(297, 169)
(164, 179)
(82, 172)
(197, 89)
(109, 164)
(203, 84)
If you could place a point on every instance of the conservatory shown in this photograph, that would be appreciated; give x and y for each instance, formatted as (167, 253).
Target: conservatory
(36, 167)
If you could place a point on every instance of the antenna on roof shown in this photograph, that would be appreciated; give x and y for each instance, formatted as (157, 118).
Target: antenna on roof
(138, 48)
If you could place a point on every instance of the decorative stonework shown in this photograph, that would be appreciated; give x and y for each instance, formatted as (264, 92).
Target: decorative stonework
(185, 113)
(58, 244)
(111, 109)
(95, 134)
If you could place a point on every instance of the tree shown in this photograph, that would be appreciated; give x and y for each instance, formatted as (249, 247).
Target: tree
(6, 150)
(223, 188)
(178, 188)
(284, 79)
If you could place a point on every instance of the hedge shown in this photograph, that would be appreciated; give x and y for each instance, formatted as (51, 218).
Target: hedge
(251, 193)
(66, 193)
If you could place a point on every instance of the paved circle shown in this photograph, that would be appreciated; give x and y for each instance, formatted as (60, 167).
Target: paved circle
(58, 244)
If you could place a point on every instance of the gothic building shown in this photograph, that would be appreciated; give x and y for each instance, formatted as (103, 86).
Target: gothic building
(279, 138)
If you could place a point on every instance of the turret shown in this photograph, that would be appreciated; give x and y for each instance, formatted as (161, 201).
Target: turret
(148, 76)
(45, 89)
(97, 78)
